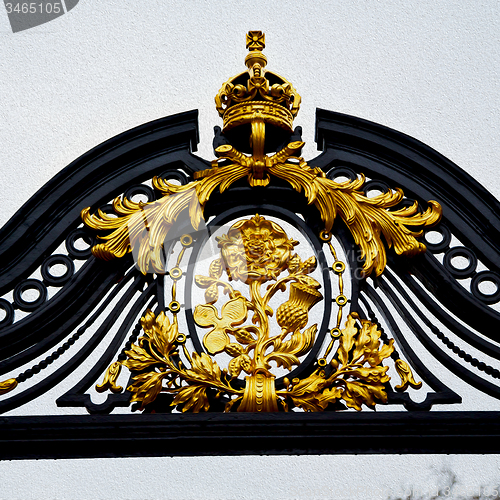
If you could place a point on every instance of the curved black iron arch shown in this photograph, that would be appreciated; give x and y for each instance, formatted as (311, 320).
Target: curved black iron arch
(76, 395)
(386, 154)
(78, 358)
(372, 149)
(471, 378)
(464, 333)
(442, 394)
(91, 180)
(43, 329)
(451, 294)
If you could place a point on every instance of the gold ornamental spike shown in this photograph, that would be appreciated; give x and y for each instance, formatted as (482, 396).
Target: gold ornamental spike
(256, 40)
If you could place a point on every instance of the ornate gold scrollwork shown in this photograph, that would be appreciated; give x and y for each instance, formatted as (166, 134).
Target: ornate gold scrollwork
(367, 218)
(254, 252)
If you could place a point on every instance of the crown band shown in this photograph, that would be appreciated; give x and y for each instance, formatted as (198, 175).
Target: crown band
(269, 112)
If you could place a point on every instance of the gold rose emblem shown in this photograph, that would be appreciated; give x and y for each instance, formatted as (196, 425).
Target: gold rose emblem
(255, 250)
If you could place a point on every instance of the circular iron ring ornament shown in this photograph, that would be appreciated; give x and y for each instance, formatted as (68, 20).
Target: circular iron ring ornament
(54, 260)
(442, 245)
(460, 273)
(338, 172)
(140, 189)
(381, 186)
(175, 175)
(8, 319)
(29, 305)
(80, 253)
(482, 277)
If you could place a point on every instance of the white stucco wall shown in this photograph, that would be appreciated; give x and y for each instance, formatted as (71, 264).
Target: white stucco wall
(427, 68)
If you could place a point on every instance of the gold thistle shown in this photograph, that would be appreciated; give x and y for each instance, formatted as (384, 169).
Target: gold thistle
(256, 251)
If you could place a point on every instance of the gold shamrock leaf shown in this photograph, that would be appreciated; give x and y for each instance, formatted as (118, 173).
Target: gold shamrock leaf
(233, 313)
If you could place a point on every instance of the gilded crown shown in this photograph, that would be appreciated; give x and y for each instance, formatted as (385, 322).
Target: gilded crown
(257, 93)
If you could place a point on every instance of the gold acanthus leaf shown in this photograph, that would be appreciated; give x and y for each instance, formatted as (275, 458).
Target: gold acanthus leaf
(287, 353)
(142, 228)
(366, 218)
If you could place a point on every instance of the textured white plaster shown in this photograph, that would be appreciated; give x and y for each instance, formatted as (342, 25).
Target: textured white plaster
(427, 68)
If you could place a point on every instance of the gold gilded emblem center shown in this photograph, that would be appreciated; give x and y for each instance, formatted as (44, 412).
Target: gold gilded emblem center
(258, 253)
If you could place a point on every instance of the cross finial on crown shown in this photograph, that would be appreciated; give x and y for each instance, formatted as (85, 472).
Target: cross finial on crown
(256, 40)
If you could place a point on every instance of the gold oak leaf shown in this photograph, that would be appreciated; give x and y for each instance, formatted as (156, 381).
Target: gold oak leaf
(310, 385)
(356, 384)
(308, 402)
(161, 336)
(162, 333)
(328, 396)
(368, 345)
(346, 340)
(377, 374)
(192, 397)
(233, 313)
(356, 393)
(146, 387)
